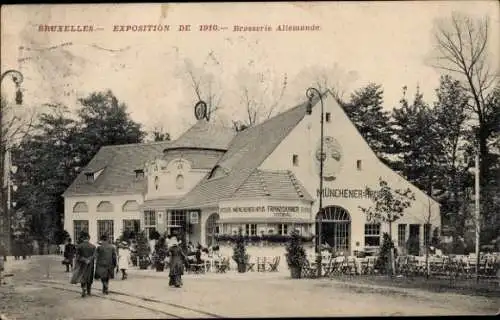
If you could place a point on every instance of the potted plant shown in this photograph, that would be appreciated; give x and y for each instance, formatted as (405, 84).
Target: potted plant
(160, 254)
(239, 253)
(143, 251)
(295, 255)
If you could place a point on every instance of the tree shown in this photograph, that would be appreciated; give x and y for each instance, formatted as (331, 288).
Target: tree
(461, 45)
(103, 121)
(260, 95)
(418, 150)
(389, 205)
(12, 129)
(46, 166)
(203, 82)
(365, 110)
(450, 122)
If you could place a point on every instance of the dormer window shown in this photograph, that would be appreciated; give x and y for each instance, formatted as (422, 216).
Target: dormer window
(89, 176)
(328, 117)
(295, 160)
(139, 173)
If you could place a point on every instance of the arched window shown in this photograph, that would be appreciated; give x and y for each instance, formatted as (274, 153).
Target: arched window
(335, 214)
(130, 205)
(179, 182)
(157, 182)
(80, 207)
(105, 206)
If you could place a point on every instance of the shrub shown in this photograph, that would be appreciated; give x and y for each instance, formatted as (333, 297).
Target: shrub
(295, 252)
(383, 261)
(240, 255)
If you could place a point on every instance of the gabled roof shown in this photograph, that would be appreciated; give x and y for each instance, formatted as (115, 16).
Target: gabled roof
(273, 184)
(246, 153)
(119, 163)
(205, 135)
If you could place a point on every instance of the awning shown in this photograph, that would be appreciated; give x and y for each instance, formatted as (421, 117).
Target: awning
(265, 220)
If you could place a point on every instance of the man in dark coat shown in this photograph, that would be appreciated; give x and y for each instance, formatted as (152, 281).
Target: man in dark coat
(69, 255)
(105, 263)
(84, 268)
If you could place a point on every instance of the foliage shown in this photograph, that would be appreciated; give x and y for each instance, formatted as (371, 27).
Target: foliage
(295, 253)
(126, 235)
(104, 121)
(435, 240)
(365, 109)
(418, 150)
(382, 264)
(143, 249)
(50, 157)
(461, 44)
(389, 205)
(240, 255)
(272, 238)
(154, 235)
(160, 252)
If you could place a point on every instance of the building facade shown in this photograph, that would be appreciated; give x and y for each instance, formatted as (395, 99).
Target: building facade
(263, 180)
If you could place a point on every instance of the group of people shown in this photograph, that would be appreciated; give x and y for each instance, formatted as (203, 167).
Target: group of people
(89, 262)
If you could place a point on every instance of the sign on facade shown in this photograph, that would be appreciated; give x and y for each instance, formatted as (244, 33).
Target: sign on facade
(275, 210)
(194, 217)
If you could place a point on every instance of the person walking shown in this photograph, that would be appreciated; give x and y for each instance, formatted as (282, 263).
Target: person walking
(69, 255)
(177, 259)
(105, 263)
(124, 259)
(83, 272)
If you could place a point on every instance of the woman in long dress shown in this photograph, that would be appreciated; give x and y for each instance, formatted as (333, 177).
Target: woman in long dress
(177, 259)
(124, 259)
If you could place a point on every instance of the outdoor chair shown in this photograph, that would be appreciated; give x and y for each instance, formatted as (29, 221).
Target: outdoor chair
(250, 265)
(195, 267)
(328, 266)
(261, 264)
(309, 270)
(338, 262)
(273, 266)
(222, 266)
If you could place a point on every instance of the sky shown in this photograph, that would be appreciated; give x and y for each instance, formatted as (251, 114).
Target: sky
(388, 43)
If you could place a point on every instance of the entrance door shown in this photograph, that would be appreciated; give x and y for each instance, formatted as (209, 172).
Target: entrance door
(414, 240)
(336, 229)
(211, 229)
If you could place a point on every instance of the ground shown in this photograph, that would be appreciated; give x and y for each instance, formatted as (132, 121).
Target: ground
(146, 294)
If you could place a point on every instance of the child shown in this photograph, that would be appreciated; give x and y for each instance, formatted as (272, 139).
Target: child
(124, 259)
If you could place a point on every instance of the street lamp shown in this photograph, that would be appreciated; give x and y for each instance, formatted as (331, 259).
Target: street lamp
(311, 93)
(17, 78)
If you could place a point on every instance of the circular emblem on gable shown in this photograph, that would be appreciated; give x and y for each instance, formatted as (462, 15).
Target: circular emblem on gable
(200, 110)
(333, 158)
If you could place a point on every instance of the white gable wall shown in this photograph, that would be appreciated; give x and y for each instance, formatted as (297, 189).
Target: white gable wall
(303, 141)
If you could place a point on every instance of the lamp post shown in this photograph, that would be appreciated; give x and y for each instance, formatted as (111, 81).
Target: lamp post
(311, 93)
(17, 78)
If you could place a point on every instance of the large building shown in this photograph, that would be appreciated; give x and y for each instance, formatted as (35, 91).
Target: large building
(264, 180)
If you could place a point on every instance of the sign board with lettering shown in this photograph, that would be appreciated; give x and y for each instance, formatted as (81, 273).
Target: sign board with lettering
(346, 193)
(194, 217)
(274, 210)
